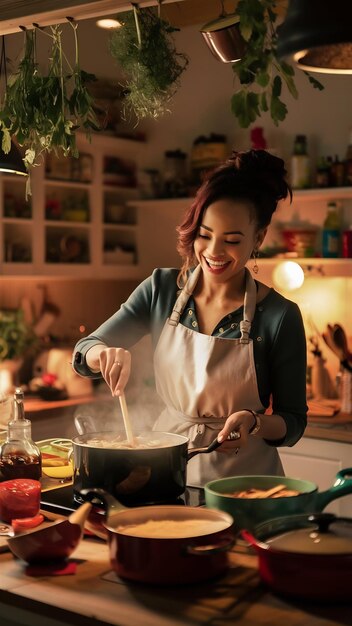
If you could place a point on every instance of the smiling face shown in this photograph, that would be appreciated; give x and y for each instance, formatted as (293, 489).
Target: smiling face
(226, 238)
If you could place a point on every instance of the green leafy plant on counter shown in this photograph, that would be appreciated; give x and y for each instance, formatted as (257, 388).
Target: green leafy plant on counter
(43, 111)
(16, 336)
(260, 72)
(145, 50)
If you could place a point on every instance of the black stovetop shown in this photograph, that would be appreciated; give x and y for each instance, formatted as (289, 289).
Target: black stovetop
(61, 500)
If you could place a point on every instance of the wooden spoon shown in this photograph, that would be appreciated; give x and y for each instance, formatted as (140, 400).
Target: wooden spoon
(127, 421)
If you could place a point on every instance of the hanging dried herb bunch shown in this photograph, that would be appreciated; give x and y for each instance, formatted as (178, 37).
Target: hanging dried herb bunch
(145, 49)
(43, 111)
(260, 71)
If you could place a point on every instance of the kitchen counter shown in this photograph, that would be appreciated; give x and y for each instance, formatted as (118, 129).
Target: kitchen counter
(95, 596)
(54, 418)
(337, 428)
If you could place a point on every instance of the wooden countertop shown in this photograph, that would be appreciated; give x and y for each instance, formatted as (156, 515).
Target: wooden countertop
(337, 428)
(95, 596)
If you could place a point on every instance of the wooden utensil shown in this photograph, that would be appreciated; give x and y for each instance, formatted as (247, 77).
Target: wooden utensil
(335, 338)
(127, 421)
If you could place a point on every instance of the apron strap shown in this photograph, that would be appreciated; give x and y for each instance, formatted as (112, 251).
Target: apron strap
(250, 299)
(184, 297)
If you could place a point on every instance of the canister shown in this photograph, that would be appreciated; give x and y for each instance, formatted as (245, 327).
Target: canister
(347, 243)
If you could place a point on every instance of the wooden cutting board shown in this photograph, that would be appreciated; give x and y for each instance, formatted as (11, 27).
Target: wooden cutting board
(323, 408)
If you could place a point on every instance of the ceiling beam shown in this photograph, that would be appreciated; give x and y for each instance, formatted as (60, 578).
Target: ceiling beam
(17, 13)
(25, 13)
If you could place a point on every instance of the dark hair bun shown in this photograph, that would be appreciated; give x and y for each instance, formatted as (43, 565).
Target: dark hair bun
(263, 168)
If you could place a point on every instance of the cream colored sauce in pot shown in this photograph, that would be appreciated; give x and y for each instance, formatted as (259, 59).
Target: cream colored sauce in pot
(173, 529)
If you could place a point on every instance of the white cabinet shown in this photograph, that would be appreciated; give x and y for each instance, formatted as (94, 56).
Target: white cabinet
(319, 460)
(157, 236)
(77, 221)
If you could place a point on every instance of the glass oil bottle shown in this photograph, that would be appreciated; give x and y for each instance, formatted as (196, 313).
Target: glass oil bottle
(20, 457)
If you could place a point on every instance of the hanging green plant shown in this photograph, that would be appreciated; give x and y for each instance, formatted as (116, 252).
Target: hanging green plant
(260, 71)
(145, 50)
(43, 111)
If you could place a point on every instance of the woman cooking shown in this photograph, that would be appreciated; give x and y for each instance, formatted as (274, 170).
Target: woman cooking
(225, 345)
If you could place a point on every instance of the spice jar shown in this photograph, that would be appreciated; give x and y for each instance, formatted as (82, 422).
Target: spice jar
(174, 173)
(300, 164)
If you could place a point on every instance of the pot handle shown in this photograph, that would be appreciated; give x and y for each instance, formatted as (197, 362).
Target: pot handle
(341, 487)
(212, 446)
(255, 543)
(225, 543)
(110, 504)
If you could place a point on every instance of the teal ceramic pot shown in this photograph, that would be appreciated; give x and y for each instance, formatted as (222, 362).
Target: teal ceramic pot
(248, 513)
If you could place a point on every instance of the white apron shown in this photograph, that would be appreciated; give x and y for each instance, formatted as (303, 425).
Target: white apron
(202, 380)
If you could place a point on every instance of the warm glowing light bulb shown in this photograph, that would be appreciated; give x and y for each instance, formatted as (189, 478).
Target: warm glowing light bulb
(288, 275)
(108, 23)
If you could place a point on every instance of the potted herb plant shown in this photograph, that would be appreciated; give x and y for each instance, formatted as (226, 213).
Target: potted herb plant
(16, 340)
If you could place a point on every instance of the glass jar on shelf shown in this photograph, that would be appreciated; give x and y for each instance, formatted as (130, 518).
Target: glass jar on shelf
(300, 164)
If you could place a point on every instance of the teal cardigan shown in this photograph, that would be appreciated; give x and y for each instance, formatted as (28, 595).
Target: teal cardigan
(278, 335)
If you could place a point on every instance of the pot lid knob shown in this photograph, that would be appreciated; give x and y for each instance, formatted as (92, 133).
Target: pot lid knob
(323, 520)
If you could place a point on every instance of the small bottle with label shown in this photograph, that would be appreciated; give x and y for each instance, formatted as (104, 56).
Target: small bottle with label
(337, 172)
(300, 164)
(20, 457)
(331, 232)
(257, 139)
(347, 243)
(323, 173)
(348, 162)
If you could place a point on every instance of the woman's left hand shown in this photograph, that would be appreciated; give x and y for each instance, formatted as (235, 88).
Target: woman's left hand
(240, 422)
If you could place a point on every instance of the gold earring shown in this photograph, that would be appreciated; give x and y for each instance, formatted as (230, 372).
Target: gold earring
(255, 267)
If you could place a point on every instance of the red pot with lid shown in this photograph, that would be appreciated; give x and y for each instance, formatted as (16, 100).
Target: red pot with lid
(305, 556)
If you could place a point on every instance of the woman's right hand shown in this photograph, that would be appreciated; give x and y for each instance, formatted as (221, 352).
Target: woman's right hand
(115, 366)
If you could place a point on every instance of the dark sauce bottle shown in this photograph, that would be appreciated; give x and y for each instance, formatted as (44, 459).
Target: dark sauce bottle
(20, 457)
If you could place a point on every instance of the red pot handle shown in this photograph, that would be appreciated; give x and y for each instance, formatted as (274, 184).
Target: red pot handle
(225, 543)
(247, 536)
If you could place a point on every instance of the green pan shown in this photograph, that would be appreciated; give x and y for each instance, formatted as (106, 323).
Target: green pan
(248, 513)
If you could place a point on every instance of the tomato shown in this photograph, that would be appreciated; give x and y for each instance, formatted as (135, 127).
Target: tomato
(27, 522)
(19, 498)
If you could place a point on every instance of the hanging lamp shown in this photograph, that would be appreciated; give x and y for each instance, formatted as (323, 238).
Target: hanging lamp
(12, 162)
(317, 35)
